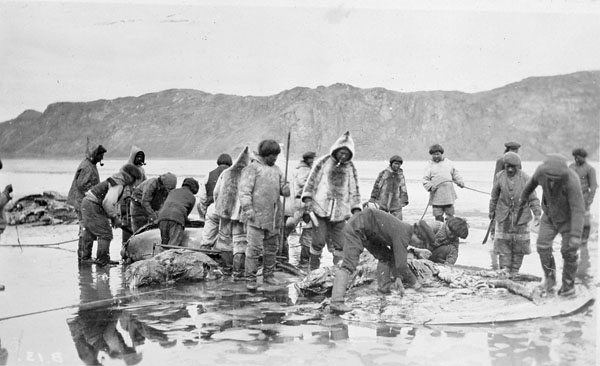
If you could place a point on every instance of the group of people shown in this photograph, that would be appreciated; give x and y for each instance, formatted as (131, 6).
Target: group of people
(126, 200)
(243, 207)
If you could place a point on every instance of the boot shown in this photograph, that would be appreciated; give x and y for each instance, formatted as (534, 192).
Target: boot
(84, 247)
(227, 258)
(504, 261)
(238, 265)
(314, 262)
(494, 260)
(340, 283)
(384, 281)
(304, 256)
(515, 264)
(251, 267)
(269, 263)
(568, 275)
(549, 267)
(102, 253)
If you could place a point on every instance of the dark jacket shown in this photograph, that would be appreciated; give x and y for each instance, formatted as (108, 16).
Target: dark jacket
(211, 182)
(389, 190)
(587, 179)
(505, 198)
(378, 228)
(178, 205)
(562, 200)
(152, 193)
(85, 178)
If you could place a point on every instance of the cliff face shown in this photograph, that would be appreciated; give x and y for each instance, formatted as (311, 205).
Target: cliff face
(545, 114)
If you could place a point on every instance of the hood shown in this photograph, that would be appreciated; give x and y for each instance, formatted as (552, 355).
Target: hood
(554, 167)
(128, 172)
(91, 155)
(344, 141)
(169, 180)
(242, 160)
(134, 151)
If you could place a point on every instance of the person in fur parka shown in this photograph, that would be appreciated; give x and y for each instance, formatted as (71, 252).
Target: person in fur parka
(331, 192)
(389, 191)
(231, 239)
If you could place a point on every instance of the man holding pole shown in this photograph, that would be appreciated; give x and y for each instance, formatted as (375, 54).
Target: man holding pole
(260, 187)
(440, 174)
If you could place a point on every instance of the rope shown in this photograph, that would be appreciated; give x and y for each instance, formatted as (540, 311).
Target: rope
(39, 245)
(87, 305)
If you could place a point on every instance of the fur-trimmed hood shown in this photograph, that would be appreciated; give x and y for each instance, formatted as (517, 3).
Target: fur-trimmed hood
(344, 141)
(134, 151)
(226, 190)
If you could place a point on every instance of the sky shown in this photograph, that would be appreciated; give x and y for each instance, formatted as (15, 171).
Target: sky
(70, 51)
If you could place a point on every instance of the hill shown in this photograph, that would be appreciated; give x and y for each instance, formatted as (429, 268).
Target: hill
(545, 114)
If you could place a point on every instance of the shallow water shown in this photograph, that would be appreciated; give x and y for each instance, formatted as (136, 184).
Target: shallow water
(222, 323)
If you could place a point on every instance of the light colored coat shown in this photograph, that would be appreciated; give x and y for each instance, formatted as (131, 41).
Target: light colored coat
(259, 190)
(333, 187)
(438, 180)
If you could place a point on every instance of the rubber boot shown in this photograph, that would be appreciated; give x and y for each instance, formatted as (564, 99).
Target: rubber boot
(568, 274)
(340, 283)
(515, 264)
(384, 281)
(84, 247)
(504, 261)
(549, 268)
(227, 258)
(304, 256)
(251, 267)
(269, 263)
(238, 265)
(494, 260)
(314, 262)
(102, 253)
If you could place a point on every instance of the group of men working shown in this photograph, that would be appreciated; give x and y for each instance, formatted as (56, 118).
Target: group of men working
(126, 200)
(242, 207)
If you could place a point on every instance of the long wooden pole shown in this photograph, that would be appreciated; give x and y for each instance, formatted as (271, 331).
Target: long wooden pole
(287, 160)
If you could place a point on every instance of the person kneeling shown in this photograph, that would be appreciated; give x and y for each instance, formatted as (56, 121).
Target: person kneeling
(173, 215)
(444, 249)
(388, 239)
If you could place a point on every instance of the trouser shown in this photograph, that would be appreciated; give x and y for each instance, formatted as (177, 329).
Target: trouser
(584, 265)
(549, 231)
(171, 233)
(439, 210)
(84, 250)
(211, 227)
(126, 231)
(327, 233)
(139, 216)
(96, 226)
(284, 249)
(263, 242)
(445, 254)
(231, 241)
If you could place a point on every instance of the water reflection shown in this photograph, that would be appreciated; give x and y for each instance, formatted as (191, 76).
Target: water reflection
(94, 331)
(234, 321)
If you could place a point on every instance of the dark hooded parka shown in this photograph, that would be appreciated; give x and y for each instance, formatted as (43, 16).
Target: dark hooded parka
(85, 177)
